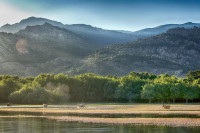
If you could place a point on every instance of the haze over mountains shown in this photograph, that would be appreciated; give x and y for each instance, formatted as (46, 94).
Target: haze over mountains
(38, 45)
(97, 35)
(163, 28)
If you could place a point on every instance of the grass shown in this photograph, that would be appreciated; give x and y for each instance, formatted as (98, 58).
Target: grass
(109, 109)
(175, 113)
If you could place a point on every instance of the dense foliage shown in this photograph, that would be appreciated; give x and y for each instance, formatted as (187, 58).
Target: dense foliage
(135, 87)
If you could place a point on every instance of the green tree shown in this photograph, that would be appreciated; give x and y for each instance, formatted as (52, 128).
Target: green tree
(148, 92)
(129, 89)
(7, 86)
(32, 94)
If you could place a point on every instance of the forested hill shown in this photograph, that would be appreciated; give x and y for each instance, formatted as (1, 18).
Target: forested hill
(175, 52)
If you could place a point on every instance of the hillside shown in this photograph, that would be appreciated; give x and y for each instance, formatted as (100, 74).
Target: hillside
(41, 49)
(101, 36)
(58, 39)
(175, 52)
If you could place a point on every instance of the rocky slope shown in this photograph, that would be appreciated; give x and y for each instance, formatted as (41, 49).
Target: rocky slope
(176, 52)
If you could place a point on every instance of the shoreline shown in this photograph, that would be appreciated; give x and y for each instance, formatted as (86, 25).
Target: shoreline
(169, 122)
(176, 116)
(99, 111)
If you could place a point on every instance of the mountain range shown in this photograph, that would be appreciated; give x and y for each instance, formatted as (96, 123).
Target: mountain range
(38, 45)
(163, 28)
(97, 35)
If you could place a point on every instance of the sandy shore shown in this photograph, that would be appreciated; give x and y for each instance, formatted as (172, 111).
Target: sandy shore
(172, 122)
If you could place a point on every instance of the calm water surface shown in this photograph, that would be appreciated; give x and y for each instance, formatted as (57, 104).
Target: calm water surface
(42, 125)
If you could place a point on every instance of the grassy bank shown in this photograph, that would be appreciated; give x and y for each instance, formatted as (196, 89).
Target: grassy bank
(177, 115)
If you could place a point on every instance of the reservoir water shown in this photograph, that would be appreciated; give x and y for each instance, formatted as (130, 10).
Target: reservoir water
(43, 125)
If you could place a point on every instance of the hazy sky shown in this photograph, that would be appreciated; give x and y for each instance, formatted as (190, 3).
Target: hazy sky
(109, 14)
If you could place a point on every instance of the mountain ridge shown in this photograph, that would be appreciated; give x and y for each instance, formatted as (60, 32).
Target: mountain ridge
(163, 28)
(97, 35)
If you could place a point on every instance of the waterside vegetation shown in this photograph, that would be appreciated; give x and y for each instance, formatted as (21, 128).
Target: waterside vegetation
(135, 87)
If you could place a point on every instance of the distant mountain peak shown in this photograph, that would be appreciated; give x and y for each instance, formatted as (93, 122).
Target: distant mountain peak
(31, 21)
(86, 25)
(33, 18)
(7, 24)
(48, 25)
(189, 23)
(163, 28)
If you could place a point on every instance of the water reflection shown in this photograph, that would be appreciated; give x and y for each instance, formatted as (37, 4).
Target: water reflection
(42, 125)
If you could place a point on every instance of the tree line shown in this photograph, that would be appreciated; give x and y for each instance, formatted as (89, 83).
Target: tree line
(135, 87)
